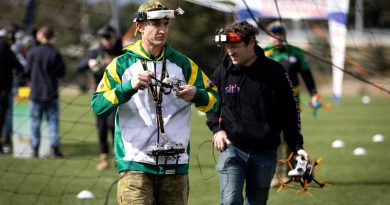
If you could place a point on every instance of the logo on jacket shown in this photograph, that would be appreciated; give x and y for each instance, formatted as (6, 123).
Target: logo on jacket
(232, 89)
(210, 82)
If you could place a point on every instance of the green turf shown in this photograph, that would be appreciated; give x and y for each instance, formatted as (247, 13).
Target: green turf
(358, 180)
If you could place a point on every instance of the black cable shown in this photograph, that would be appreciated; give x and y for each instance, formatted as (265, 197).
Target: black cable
(280, 21)
(259, 25)
(109, 191)
(347, 72)
(197, 159)
(315, 57)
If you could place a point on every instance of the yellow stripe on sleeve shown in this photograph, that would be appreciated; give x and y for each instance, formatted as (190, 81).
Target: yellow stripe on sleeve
(209, 106)
(110, 96)
(111, 69)
(205, 79)
(104, 85)
(207, 84)
(194, 72)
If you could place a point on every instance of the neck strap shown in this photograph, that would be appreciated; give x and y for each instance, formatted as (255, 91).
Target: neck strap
(157, 92)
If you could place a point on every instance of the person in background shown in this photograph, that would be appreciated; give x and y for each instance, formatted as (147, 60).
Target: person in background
(8, 66)
(21, 44)
(96, 62)
(257, 104)
(45, 66)
(151, 88)
(294, 62)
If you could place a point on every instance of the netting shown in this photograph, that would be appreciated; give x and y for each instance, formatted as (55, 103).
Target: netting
(59, 181)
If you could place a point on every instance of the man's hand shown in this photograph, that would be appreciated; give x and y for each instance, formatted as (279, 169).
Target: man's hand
(303, 153)
(220, 140)
(142, 79)
(316, 101)
(186, 92)
(92, 63)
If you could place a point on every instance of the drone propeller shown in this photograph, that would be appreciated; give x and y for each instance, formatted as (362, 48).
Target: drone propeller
(288, 160)
(282, 184)
(308, 193)
(305, 190)
(318, 164)
(314, 164)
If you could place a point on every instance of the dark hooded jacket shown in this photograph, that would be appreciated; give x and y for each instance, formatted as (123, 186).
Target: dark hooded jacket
(9, 63)
(99, 54)
(256, 104)
(45, 66)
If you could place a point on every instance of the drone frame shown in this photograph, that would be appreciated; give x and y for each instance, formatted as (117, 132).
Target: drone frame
(303, 180)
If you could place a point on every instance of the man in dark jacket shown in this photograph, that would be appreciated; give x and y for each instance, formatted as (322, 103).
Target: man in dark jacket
(257, 103)
(8, 64)
(44, 67)
(291, 58)
(96, 61)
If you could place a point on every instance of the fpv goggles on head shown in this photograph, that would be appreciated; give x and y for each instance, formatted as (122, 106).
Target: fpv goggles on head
(157, 13)
(223, 37)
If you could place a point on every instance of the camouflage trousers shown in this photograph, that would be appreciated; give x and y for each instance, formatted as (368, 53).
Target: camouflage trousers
(139, 188)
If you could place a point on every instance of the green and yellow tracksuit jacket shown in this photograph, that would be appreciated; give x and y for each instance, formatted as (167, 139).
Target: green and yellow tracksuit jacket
(293, 60)
(135, 124)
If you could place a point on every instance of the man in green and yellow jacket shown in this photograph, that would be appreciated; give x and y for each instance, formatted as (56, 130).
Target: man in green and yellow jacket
(137, 86)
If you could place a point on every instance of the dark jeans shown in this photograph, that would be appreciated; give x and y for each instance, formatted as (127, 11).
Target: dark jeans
(3, 111)
(9, 120)
(37, 110)
(104, 125)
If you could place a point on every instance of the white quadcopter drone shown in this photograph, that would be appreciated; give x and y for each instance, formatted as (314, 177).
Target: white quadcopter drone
(303, 174)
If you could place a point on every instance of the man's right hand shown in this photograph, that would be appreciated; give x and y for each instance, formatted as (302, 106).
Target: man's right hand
(142, 79)
(220, 140)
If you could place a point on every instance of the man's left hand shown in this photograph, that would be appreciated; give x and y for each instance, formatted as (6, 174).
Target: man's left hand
(186, 92)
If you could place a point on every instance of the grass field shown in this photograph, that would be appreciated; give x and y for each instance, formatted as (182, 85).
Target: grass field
(358, 180)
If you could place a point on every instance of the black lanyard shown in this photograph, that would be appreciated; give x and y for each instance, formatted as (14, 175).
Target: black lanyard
(156, 92)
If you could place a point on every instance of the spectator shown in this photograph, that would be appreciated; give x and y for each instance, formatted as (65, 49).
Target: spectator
(44, 67)
(19, 47)
(96, 61)
(9, 65)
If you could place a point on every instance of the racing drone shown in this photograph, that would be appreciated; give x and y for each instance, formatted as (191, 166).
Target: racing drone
(168, 84)
(303, 174)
